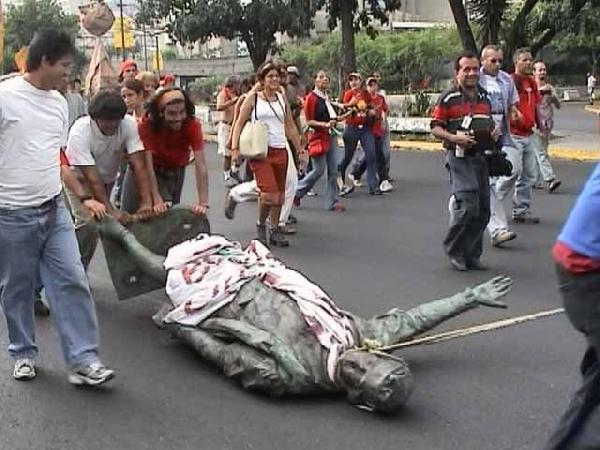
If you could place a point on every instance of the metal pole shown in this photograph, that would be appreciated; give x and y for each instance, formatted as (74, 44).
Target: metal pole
(123, 56)
(145, 46)
(157, 55)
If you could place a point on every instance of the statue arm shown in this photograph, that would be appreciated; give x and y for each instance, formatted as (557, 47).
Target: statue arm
(150, 263)
(397, 326)
(253, 369)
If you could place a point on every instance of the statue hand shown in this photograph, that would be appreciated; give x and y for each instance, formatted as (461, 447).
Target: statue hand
(489, 292)
(111, 229)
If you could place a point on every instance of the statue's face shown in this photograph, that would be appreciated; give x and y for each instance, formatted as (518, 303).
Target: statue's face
(373, 382)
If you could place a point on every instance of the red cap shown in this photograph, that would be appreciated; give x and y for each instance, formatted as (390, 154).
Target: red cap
(128, 63)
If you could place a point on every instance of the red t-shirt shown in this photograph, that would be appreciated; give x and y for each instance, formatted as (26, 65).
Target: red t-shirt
(171, 149)
(529, 97)
(380, 106)
(360, 118)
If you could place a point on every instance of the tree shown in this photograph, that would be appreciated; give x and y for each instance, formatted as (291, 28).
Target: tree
(23, 21)
(352, 19)
(256, 22)
(514, 24)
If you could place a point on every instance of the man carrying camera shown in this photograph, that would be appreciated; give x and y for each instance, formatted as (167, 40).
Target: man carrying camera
(462, 119)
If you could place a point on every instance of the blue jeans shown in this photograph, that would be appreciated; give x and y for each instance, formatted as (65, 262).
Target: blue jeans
(42, 240)
(380, 159)
(352, 136)
(327, 161)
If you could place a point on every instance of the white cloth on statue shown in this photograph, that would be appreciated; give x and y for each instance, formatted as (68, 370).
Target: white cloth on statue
(207, 272)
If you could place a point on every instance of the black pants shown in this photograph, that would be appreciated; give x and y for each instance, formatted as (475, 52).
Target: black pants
(579, 427)
(469, 206)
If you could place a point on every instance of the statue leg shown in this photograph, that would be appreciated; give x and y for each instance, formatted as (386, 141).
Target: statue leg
(398, 326)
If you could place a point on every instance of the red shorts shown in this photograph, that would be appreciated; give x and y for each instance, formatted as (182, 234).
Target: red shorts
(270, 173)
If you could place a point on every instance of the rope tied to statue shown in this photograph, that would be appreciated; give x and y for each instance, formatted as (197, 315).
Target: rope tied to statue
(375, 347)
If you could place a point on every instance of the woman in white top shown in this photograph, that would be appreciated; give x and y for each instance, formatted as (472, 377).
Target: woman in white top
(270, 107)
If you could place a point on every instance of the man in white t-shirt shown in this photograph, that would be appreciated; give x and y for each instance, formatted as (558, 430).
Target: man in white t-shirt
(96, 146)
(37, 236)
(591, 86)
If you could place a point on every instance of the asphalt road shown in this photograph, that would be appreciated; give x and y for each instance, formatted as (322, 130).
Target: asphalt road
(500, 390)
(578, 128)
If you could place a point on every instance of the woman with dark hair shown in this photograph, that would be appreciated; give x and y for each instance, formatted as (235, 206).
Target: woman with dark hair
(270, 107)
(134, 95)
(322, 143)
(170, 132)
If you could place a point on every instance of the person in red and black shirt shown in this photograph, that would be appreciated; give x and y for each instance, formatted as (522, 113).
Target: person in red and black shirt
(170, 133)
(357, 130)
(521, 129)
(460, 112)
(380, 108)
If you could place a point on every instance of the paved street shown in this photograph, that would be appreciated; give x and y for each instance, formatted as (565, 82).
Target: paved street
(578, 128)
(500, 390)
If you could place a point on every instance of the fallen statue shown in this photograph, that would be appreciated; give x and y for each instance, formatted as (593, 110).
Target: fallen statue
(271, 329)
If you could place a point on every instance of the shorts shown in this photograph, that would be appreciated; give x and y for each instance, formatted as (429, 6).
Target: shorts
(223, 130)
(270, 173)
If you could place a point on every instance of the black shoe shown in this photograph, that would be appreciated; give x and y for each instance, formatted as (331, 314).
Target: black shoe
(278, 239)
(347, 190)
(526, 218)
(458, 264)
(230, 205)
(292, 220)
(553, 185)
(476, 264)
(261, 233)
(376, 191)
(40, 309)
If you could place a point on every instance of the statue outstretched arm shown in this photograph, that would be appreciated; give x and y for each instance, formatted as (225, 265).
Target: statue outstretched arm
(150, 263)
(397, 326)
(253, 369)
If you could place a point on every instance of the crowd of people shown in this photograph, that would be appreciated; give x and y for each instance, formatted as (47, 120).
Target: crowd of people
(125, 153)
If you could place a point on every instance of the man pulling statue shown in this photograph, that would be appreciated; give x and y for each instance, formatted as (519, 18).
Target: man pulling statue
(271, 329)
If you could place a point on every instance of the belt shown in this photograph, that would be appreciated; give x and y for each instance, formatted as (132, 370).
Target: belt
(226, 123)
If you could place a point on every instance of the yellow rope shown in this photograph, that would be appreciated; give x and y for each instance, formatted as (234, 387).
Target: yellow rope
(448, 335)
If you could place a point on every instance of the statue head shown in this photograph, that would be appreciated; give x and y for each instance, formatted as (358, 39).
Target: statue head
(374, 382)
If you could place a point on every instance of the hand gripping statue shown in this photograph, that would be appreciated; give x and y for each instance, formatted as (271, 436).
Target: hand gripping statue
(271, 329)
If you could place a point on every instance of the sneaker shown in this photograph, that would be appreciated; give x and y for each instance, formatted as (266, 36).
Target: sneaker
(287, 229)
(375, 191)
(312, 193)
(503, 236)
(526, 218)
(346, 190)
(355, 180)
(386, 186)
(230, 205)
(553, 185)
(458, 264)
(93, 375)
(278, 239)
(292, 220)
(338, 207)
(24, 369)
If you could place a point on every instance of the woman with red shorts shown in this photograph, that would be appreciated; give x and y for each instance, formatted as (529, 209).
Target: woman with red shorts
(270, 107)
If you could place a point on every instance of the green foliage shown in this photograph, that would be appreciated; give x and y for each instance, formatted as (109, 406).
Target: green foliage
(24, 20)
(169, 54)
(203, 90)
(255, 22)
(404, 59)
(363, 19)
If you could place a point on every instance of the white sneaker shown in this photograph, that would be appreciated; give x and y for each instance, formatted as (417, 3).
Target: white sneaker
(386, 186)
(502, 237)
(24, 369)
(355, 181)
(93, 375)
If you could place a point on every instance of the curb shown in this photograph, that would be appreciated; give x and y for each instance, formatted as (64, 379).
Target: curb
(592, 109)
(572, 154)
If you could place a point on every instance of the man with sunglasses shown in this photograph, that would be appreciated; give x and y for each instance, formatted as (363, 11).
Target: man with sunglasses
(503, 98)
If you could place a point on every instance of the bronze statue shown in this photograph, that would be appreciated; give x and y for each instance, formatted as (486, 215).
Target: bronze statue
(262, 340)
